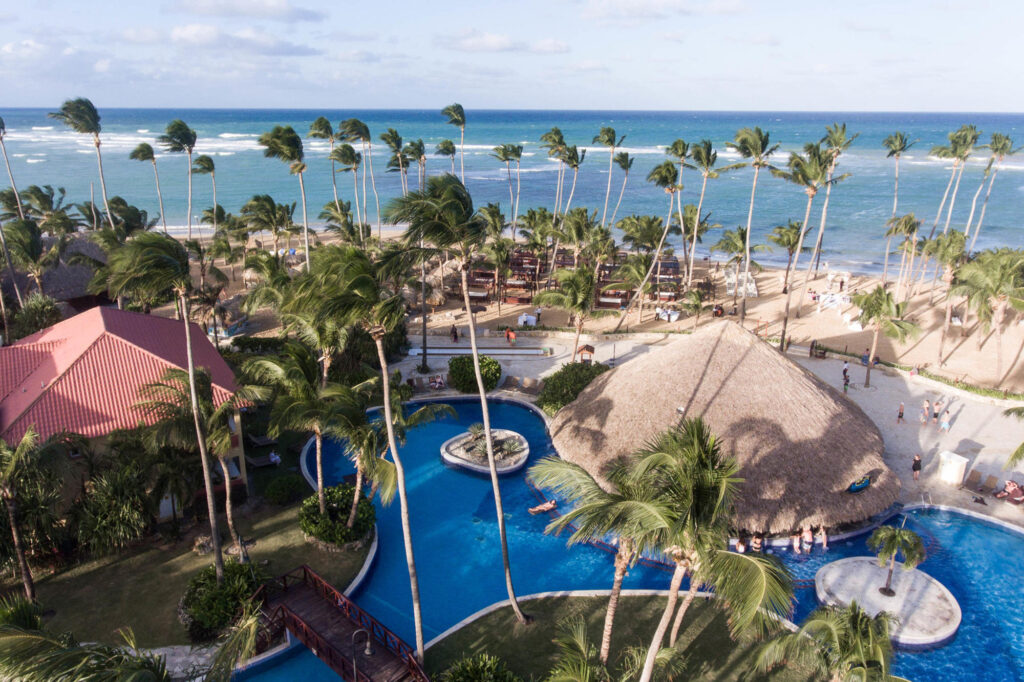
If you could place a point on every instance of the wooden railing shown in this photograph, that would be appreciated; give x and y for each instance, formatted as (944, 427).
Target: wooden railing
(298, 627)
(284, 617)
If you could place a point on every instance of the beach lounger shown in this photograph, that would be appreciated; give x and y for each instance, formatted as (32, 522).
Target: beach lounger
(531, 385)
(421, 386)
(260, 441)
(258, 462)
(991, 484)
(972, 481)
(510, 383)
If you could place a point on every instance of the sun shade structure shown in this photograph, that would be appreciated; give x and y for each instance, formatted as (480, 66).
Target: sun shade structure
(799, 443)
(84, 374)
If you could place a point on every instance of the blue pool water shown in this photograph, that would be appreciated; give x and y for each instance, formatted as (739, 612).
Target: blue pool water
(298, 663)
(459, 561)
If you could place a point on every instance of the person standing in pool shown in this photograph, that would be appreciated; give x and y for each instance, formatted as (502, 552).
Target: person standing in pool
(916, 467)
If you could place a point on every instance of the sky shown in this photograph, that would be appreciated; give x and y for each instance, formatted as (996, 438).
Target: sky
(857, 55)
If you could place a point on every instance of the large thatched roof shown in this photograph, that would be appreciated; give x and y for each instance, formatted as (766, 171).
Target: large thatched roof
(799, 442)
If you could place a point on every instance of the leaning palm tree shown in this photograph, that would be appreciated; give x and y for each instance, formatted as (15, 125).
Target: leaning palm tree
(19, 463)
(29, 250)
(573, 158)
(144, 152)
(880, 312)
(680, 151)
(608, 138)
(753, 144)
(624, 161)
(554, 142)
(81, 116)
(35, 655)
(734, 243)
(840, 643)
(14, 188)
(809, 171)
(417, 153)
(896, 145)
(506, 154)
(905, 226)
(177, 138)
(204, 165)
(575, 295)
(447, 148)
(321, 129)
(1017, 456)
(1001, 146)
(889, 541)
(443, 216)
(398, 161)
(704, 159)
(457, 117)
(949, 251)
(350, 160)
(694, 487)
(788, 237)
(285, 144)
(151, 264)
(351, 130)
(693, 303)
(836, 142)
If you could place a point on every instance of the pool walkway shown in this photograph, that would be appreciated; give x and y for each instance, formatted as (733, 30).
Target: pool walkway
(325, 621)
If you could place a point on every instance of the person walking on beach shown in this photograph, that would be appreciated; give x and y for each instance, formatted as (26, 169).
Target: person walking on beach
(944, 424)
(455, 334)
(899, 416)
(846, 384)
(926, 412)
(846, 369)
(936, 411)
(916, 467)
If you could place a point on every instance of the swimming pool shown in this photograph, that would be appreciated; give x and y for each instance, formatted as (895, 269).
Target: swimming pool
(459, 560)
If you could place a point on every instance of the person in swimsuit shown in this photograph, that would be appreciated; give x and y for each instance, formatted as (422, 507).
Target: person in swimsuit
(916, 467)
(944, 424)
(926, 411)
(823, 537)
(757, 543)
(899, 416)
(936, 411)
(794, 540)
(807, 539)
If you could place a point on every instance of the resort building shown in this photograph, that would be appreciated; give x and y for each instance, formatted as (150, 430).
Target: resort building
(799, 443)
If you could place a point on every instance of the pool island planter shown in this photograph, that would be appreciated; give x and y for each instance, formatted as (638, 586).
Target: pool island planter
(452, 453)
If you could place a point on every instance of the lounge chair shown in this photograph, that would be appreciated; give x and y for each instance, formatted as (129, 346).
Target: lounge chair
(510, 383)
(531, 385)
(972, 481)
(258, 462)
(260, 441)
(421, 386)
(991, 484)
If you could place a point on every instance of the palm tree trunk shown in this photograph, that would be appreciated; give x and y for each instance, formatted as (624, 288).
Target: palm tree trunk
(511, 198)
(657, 255)
(948, 317)
(796, 261)
(871, 355)
(952, 199)
(160, 196)
(334, 179)
(899, 276)
(816, 255)
(576, 341)
(211, 508)
(575, 175)
(608, 189)
(746, 258)
(19, 551)
(945, 195)
(486, 415)
(305, 223)
(622, 559)
(997, 322)
(414, 583)
(908, 278)
(666, 616)
(321, 498)
(622, 191)
(892, 567)
(373, 184)
(462, 154)
(984, 205)
(896, 187)
(681, 613)
(355, 200)
(213, 179)
(10, 266)
(885, 266)
(17, 197)
(3, 315)
(696, 228)
(243, 556)
(189, 216)
(515, 209)
(682, 226)
(355, 498)
(103, 182)
(365, 160)
(974, 203)
(424, 367)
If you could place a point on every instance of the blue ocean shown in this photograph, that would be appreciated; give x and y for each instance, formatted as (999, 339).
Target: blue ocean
(42, 151)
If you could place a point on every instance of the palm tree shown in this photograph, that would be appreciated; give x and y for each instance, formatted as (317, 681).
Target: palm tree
(443, 216)
(177, 138)
(633, 275)
(416, 151)
(575, 295)
(321, 129)
(144, 152)
(554, 142)
(680, 151)
(949, 251)
(993, 282)
(350, 160)
(624, 161)
(734, 243)
(499, 256)
(506, 154)
(285, 144)
(573, 158)
(1001, 146)
(694, 488)
(896, 145)
(27, 249)
(204, 165)
(350, 130)
(457, 117)
(3, 150)
(398, 160)
(961, 145)
(33, 654)
(663, 175)
(262, 213)
(693, 303)
(18, 464)
(1017, 456)
(836, 142)
(704, 159)
(907, 227)
(841, 643)
(788, 237)
(81, 116)
(150, 264)
(880, 311)
(753, 144)
(447, 148)
(607, 137)
(887, 542)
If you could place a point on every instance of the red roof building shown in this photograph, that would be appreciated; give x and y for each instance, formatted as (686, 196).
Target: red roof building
(84, 374)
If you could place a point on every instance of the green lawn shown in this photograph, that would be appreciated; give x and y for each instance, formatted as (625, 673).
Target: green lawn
(529, 651)
(141, 589)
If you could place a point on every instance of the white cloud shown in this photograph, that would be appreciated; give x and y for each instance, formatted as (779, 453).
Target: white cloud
(195, 34)
(101, 66)
(480, 41)
(143, 35)
(278, 10)
(247, 39)
(548, 46)
(633, 11)
(23, 48)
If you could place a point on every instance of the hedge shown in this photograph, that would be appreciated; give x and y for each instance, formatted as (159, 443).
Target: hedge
(285, 489)
(562, 387)
(479, 668)
(331, 527)
(462, 377)
(206, 608)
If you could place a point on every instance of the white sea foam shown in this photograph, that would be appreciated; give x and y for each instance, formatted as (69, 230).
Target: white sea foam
(35, 160)
(18, 156)
(231, 135)
(142, 130)
(42, 127)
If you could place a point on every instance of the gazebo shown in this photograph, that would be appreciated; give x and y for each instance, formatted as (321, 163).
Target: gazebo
(799, 443)
(586, 354)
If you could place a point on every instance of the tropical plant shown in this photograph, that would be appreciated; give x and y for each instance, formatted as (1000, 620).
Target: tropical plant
(331, 525)
(350, 160)
(562, 387)
(462, 374)
(34, 655)
(398, 161)
(353, 129)
(204, 165)
(693, 304)
(753, 144)
(116, 510)
(624, 161)
(704, 158)
(416, 152)
(1017, 456)
(285, 144)
(7, 162)
(992, 283)
(787, 237)
(457, 117)
(447, 148)
(30, 250)
(81, 116)
(178, 138)
(506, 154)
(499, 254)
(210, 604)
(841, 643)
(880, 312)
(1001, 147)
(890, 541)
(632, 275)
(36, 313)
(144, 152)
(479, 668)
(736, 244)
(949, 250)
(320, 129)
(575, 295)
(607, 138)
(896, 145)
(261, 213)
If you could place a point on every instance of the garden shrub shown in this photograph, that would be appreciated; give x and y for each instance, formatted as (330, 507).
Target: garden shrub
(207, 609)
(285, 489)
(261, 345)
(479, 668)
(462, 377)
(330, 527)
(562, 387)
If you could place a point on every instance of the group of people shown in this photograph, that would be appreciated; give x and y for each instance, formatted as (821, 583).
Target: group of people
(933, 413)
(1011, 492)
(802, 542)
(437, 382)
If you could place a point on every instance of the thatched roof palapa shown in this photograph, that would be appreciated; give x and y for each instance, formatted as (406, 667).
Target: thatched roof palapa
(798, 441)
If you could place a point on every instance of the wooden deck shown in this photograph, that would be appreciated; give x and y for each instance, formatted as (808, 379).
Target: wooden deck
(324, 620)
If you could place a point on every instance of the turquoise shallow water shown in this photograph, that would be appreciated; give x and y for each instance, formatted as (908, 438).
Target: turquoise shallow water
(458, 558)
(44, 152)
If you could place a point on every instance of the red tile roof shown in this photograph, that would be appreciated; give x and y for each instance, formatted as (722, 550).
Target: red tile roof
(84, 374)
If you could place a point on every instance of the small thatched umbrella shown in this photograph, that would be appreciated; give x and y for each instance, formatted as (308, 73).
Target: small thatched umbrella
(799, 443)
